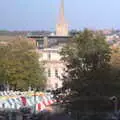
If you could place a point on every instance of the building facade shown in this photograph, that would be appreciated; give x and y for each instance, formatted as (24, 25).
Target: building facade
(49, 48)
(53, 67)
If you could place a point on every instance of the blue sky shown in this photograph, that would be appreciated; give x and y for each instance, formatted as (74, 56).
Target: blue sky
(42, 14)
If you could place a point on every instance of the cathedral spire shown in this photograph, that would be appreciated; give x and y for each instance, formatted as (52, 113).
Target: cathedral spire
(62, 19)
(61, 27)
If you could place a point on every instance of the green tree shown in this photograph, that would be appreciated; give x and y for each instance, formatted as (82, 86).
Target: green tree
(115, 58)
(115, 67)
(21, 64)
(87, 58)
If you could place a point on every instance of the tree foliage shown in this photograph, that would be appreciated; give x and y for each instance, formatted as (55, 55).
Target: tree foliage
(88, 71)
(115, 58)
(115, 66)
(20, 64)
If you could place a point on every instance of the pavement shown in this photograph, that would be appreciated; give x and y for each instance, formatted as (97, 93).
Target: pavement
(54, 112)
(51, 116)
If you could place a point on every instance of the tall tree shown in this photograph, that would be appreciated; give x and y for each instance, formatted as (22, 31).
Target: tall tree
(87, 58)
(115, 66)
(21, 64)
(115, 57)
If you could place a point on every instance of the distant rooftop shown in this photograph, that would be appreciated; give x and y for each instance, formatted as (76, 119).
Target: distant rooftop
(49, 36)
(23, 33)
(7, 38)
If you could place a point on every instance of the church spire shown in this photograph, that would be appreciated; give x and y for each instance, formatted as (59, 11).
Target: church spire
(62, 19)
(61, 27)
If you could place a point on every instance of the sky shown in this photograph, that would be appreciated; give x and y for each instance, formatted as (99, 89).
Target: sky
(43, 14)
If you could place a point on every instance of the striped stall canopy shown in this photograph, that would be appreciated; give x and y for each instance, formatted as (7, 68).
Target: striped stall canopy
(17, 100)
(40, 106)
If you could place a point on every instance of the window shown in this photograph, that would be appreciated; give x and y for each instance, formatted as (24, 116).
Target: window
(56, 85)
(56, 72)
(64, 69)
(49, 72)
(49, 56)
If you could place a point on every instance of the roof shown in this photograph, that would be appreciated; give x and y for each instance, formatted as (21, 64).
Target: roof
(48, 36)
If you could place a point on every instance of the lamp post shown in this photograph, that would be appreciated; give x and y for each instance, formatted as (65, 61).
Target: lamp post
(35, 101)
(115, 101)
